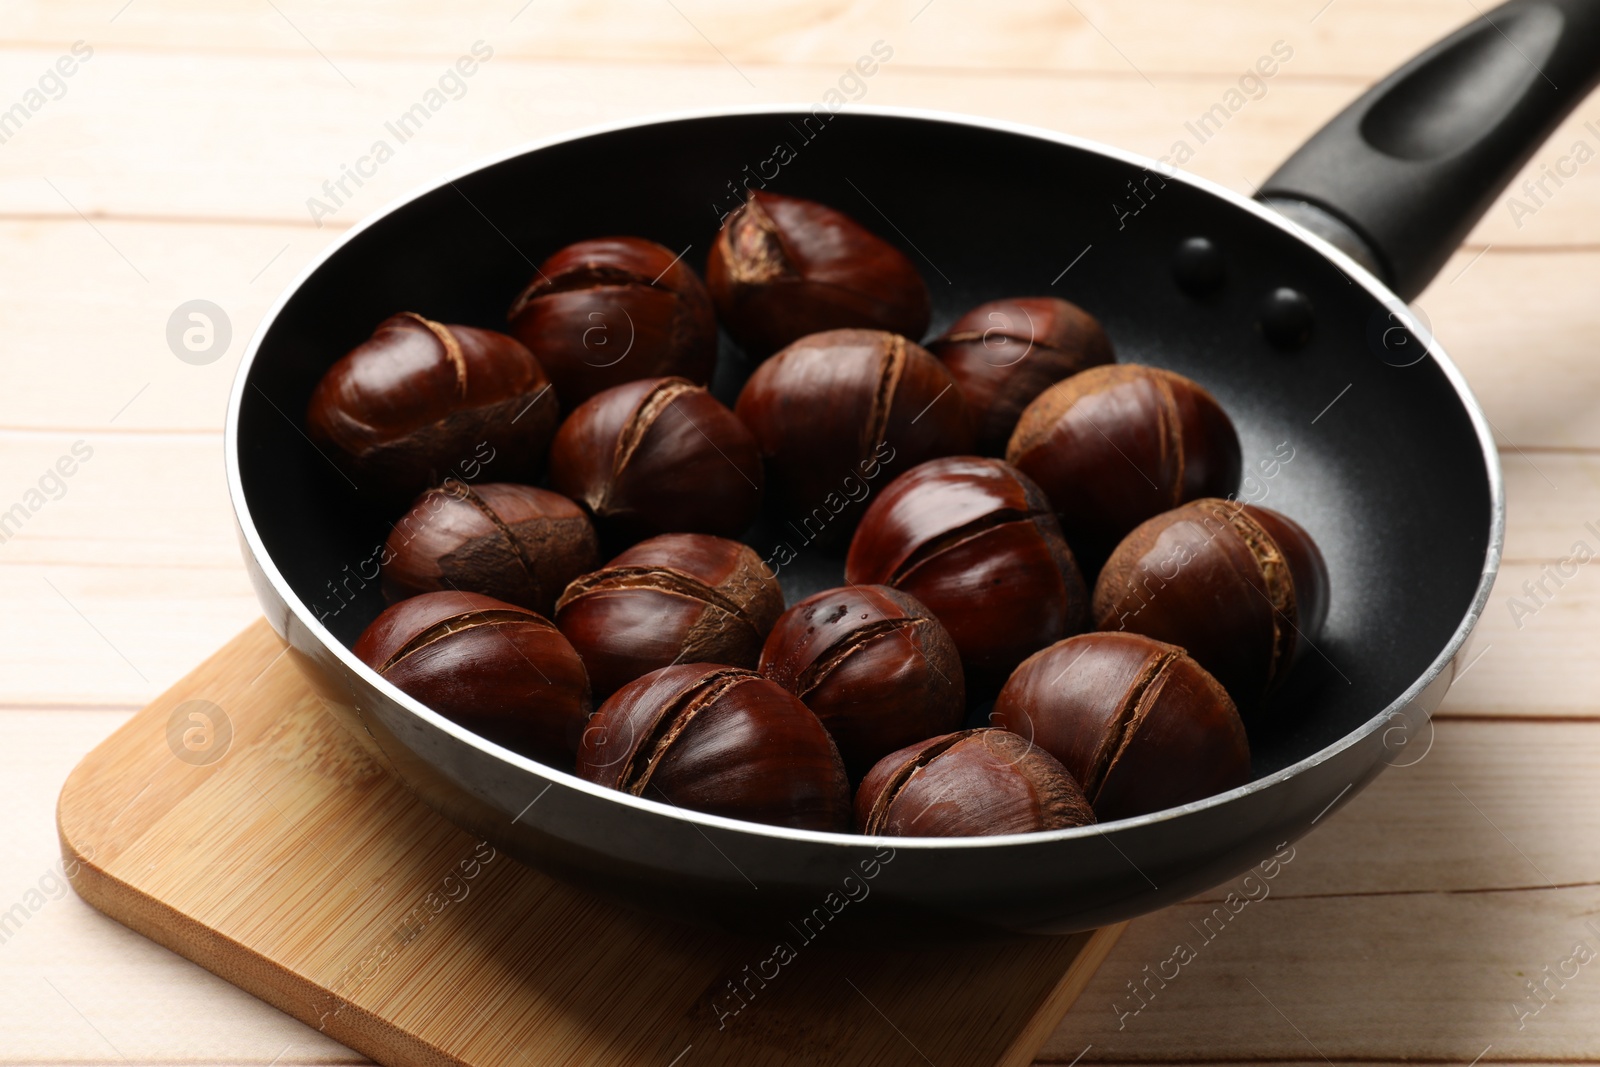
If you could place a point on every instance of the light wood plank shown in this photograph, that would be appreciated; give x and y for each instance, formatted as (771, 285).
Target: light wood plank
(138, 501)
(1534, 656)
(1454, 813)
(94, 635)
(1549, 498)
(1429, 977)
(95, 334)
(124, 102)
(1519, 325)
(958, 34)
(137, 1001)
(137, 107)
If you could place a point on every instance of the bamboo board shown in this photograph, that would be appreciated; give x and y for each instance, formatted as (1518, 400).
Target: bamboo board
(258, 841)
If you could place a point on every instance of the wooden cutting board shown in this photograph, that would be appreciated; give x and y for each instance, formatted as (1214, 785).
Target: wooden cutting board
(234, 822)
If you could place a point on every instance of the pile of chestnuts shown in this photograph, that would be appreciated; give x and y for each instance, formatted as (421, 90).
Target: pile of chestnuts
(1056, 612)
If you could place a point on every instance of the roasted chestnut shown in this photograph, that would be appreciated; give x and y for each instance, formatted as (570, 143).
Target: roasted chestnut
(1242, 588)
(975, 783)
(873, 664)
(512, 542)
(420, 402)
(1137, 722)
(658, 455)
(1115, 445)
(782, 268)
(831, 410)
(499, 670)
(1006, 352)
(672, 599)
(607, 311)
(720, 740)
(975, 541)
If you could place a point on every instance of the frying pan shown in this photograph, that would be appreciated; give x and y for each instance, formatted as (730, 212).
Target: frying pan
(1298, 327)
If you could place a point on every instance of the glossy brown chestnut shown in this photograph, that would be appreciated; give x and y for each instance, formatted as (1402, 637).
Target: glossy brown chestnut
(1137, 722)
(1242, 588)
(602, 312)
(873, 664)
(976, 542)
(1006, 352)
(420, 402)
(672, 599)
(499, 670)
(1115, 445)
(975, 783)
(782, 268)
(833, 410)
(512, 542)
(720, 740)
(658, 455)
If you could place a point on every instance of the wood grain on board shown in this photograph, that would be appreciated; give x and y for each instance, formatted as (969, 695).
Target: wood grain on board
(289, 863)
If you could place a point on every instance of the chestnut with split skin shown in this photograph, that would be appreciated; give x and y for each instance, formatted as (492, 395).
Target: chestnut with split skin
(512, 542)
(500, 670)
(835, 405)
(1137, 722)
(1006, 352)
(614, 309)
(972, 783)
(1244, 589)
(677, 598)
(782, 267)
(1118, 444)
(655, 456)
(977, 542)
(408, 407)
(721, 740)
(875, 666)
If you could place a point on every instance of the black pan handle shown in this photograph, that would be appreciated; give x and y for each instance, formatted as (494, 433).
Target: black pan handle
(1401, 175)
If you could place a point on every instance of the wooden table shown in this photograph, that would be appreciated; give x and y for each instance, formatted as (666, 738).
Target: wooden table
(175, 163)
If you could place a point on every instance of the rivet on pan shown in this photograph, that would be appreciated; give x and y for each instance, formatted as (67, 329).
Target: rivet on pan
(1286, 319)
(1197, 267)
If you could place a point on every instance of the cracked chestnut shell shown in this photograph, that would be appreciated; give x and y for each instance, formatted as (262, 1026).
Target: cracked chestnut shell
(1115, 445)
(659, 455)
(499, 670)
(782, 268)
(832, 410)
(1006, 352)
(976, 541)
(1243, 589)
(974, 783)
(420, 400)
(721, 740)
(512, 542)
(873, 664)
(1137, 722)
(613, 309)
(672, 599)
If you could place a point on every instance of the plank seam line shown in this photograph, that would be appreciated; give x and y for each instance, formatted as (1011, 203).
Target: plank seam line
(1397, 1060)
(1546, 888)
(563, 59)
(1503, 717)
(287, 222)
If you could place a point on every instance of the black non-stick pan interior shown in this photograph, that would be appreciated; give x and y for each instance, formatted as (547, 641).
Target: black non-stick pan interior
(1390, 479)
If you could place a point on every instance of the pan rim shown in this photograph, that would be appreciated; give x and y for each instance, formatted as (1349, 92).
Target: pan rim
(1354, 271)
